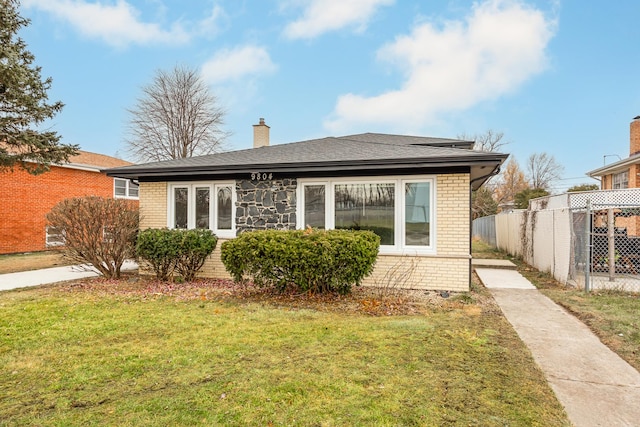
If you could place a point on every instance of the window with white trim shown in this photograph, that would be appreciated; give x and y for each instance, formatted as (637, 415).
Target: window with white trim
(203, 205)
(621, 180)
(54, 236)
(401, 210)
(125, 188)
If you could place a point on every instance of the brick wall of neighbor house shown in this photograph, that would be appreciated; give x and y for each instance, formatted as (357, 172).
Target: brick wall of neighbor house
(25, 200)
(634, 132)
(449, 269)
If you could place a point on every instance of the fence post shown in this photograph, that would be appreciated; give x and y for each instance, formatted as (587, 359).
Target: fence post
(587, 256)
(612, 245)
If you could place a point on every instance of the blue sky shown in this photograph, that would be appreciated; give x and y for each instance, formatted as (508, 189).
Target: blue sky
(556, 76)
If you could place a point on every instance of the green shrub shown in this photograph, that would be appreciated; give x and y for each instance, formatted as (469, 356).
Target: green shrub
(167, 251)
(311, 261)
(195, 247)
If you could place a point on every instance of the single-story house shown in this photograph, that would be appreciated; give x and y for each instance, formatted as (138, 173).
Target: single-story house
(412, 191)
(26, 199)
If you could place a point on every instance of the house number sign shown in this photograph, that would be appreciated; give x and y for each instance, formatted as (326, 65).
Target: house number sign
(261, 176)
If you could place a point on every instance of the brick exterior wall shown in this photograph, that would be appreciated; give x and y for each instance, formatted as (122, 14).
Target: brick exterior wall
(26, 199)
(447, 270)
(634, 132)
(153, 205)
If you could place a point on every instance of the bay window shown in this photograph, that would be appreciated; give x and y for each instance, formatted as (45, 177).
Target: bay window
(202, 205)
(398, 209)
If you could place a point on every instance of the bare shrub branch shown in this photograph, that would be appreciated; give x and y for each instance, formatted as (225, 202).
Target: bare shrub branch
(98, 231)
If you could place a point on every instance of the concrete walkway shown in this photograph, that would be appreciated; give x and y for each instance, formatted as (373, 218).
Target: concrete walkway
(45, 276)
(595, 386)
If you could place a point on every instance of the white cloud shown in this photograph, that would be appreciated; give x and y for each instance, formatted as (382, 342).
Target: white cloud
(237, 64)
(492, 52)
(116, 24)
(321, 16)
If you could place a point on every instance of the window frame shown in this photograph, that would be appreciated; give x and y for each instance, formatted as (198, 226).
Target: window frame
(399, 247)
(213, 187)
(54, 237)
(620, 178)
(127, 190)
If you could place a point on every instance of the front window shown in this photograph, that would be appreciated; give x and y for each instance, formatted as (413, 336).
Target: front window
(399, 210)
(621, 180)
(417, 201)
(366, 206)
(125, 188)
(314, 206)
(194, 205)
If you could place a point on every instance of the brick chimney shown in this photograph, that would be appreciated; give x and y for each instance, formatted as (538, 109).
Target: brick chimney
(635, 136)
(261, 135)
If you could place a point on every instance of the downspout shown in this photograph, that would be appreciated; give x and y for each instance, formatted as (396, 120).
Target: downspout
(494, 172)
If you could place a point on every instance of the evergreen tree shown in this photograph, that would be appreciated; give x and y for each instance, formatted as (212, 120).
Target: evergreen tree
(24, 102)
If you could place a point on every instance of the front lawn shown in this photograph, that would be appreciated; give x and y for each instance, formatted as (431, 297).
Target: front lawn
(128, 354)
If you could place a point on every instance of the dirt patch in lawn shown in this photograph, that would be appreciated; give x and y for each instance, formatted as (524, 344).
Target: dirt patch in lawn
(14, 263)
(362, 299)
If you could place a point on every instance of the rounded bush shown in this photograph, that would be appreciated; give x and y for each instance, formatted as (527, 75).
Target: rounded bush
(309, 260)
(181, 251)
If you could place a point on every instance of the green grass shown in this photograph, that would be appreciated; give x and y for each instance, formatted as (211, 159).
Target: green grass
(85, 358)
(482, 250)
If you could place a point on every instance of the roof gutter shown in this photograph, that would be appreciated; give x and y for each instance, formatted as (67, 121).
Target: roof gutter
(127, 172)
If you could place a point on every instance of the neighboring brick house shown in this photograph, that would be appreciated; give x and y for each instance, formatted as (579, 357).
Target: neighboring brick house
(412, 191)
(25, 199)
(624, 173)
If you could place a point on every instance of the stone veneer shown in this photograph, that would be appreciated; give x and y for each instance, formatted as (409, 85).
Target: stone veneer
(264, 205)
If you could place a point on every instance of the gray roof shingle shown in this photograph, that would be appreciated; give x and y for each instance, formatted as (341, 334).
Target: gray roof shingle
(332, 153)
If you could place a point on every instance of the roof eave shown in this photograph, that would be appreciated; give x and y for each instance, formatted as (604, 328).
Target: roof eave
(337, 166)
(614, 167)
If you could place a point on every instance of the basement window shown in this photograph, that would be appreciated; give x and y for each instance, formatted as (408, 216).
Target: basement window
(54, 236)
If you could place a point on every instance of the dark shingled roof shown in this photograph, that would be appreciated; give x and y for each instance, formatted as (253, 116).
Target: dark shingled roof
(362, 152)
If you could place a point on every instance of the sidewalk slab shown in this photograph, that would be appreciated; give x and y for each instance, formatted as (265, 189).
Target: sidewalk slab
(595, 385)
(503, 279)
(51, 275)
(492, 263)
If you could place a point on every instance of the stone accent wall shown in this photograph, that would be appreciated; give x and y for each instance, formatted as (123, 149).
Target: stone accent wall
(263, 205)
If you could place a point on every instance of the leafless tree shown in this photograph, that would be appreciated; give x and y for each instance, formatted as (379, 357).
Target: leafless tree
(176, 117)
(97, 231)
(490, 141)
(543, 170)
(511, 182)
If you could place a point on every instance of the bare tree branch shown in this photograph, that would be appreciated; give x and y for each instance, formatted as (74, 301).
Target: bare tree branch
(176, 117)
(543, 170)
(490, 141)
